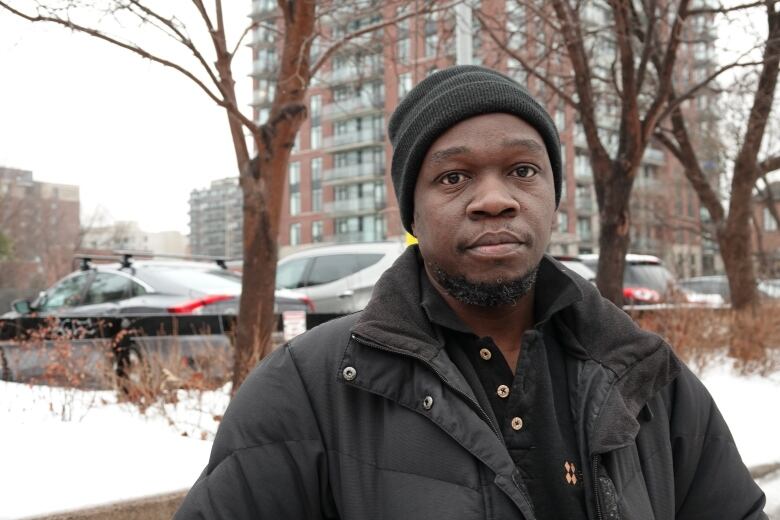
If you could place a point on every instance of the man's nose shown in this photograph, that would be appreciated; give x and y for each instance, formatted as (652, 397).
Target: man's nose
(492, 198)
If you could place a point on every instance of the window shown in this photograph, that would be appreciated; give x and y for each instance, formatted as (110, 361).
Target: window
(67, 293)
(584, 231)
(316, 184)
(563, 222)
(315, 106)
(326, 269)
(770, 224)
(316, 231)
(294, 177)
(289, 275)
(295, 234)
(404, 84)
(315, 137)
(431, 45)
(403, 50)
(108, 287)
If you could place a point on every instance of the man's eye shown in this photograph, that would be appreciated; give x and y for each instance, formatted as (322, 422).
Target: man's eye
(453, 178)
(525, 171)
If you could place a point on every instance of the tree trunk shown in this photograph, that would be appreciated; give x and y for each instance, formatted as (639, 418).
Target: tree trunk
(735, 246)
(614, 238)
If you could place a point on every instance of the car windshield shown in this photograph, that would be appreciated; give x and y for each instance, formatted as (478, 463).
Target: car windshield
(187, 280)
(650, 275)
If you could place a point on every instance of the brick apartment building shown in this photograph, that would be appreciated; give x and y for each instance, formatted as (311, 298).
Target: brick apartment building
(339, 188)
(41, 219)
(766, 232)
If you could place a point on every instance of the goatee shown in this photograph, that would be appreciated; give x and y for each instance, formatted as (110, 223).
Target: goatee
(485, 294)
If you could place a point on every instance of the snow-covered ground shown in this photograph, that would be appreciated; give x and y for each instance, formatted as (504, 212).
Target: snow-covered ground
(64, 449)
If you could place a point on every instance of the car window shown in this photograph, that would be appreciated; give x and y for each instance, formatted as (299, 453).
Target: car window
(326, 269)
(66, 293)
(107, 287)
(367, 260)
(652, 276)
(289, 275)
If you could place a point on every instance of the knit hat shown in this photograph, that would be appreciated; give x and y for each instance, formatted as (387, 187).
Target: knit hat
(446, 98)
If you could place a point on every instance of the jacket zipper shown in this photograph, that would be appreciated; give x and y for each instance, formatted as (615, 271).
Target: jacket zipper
(596, 491)
(464, 395)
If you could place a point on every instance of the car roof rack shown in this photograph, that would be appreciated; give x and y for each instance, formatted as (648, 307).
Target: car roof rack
(125, 258)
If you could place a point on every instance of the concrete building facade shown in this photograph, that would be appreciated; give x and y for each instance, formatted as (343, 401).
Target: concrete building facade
(216, 220)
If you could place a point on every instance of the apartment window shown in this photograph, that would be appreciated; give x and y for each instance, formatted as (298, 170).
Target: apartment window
(584, 231)
(315, 137)
(431, 45)
(316, 184)
(294, 177)
(403, 50)
(770, 224)
(404, 84)
(295, 234)
(563, 222)
(315, 106)
(262, 115)
(317, 231)
(560, 119)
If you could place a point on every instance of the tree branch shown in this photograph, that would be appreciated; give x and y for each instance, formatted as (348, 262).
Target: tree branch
(725, 10)
(769, 165)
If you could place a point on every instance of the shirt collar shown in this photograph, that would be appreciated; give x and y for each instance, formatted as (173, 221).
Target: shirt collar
(555, 290)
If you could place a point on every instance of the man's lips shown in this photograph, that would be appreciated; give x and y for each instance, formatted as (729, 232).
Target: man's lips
(496, 243)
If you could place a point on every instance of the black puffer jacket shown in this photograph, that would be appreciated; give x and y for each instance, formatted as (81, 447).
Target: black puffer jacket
(366, 417)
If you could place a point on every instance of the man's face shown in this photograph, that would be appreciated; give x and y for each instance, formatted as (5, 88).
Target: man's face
(484, 204)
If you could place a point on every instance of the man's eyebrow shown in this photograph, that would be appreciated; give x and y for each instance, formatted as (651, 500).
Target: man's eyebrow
(441, 155)
(529, 145)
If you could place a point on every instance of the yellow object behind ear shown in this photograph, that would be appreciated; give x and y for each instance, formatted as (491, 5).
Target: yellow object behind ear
(410, 239)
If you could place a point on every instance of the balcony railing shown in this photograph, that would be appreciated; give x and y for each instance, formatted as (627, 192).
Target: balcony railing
(352, 73)
(264, 67)
(354, 171)
(261, 8)
(355, 236)
(584, 205)
(360, 205)
(654, 156)
(369, 136)
(350, 107)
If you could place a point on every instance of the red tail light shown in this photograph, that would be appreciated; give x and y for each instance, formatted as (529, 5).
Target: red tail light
(191, 306)
(641, 295)
(308, 302)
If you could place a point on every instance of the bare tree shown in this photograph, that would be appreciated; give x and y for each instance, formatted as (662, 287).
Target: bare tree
(732, 224)
(209, 65)
(595, 55)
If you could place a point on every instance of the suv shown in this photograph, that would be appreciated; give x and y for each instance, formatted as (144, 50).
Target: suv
(338, 279)
(645, 280)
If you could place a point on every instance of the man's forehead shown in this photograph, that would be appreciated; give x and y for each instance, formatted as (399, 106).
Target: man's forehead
(524, 144)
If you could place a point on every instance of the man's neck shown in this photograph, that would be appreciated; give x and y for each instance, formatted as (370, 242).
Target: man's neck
(505, 324)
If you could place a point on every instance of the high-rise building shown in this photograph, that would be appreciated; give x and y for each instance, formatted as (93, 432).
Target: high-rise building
(339, 188)
(216, 219)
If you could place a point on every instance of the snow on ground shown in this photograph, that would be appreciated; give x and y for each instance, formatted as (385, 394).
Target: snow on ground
(103, 452)
(65, 449)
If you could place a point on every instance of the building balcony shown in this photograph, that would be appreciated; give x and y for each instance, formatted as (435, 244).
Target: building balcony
(353, 172)
(353, 139)
(654, 156)
(264, 68)
(353, 206)
(261, 98)
(585, 205)
(351, 108)
(353, 73)
(355, 236)
(264, 8)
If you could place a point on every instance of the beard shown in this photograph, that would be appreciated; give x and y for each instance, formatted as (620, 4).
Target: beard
(485, 294)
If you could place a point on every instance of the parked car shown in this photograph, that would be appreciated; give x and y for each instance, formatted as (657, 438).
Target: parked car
(578, 266)
(147, 287)
(718, 286)
(338, 279)
(645, 280)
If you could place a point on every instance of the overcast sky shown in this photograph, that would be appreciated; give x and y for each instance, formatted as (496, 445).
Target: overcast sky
(136, 137)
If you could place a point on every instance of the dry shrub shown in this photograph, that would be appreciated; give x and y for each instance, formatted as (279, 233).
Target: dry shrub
(751, 337)
(158, 367)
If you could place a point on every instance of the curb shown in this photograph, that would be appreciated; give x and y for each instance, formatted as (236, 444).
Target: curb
(157, 507)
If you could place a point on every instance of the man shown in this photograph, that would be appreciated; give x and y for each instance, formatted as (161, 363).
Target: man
(483, 380)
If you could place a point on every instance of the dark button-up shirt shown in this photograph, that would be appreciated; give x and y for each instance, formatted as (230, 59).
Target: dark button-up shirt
(530, 408)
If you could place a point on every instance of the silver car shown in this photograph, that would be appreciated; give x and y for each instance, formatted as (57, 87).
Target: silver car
(338, 279)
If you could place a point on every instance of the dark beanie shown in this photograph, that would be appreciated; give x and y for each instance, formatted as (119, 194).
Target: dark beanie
(446, 98)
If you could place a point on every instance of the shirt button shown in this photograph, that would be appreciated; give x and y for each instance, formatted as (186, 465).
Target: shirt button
(502, 391)
(517, 423)
(485, 354)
